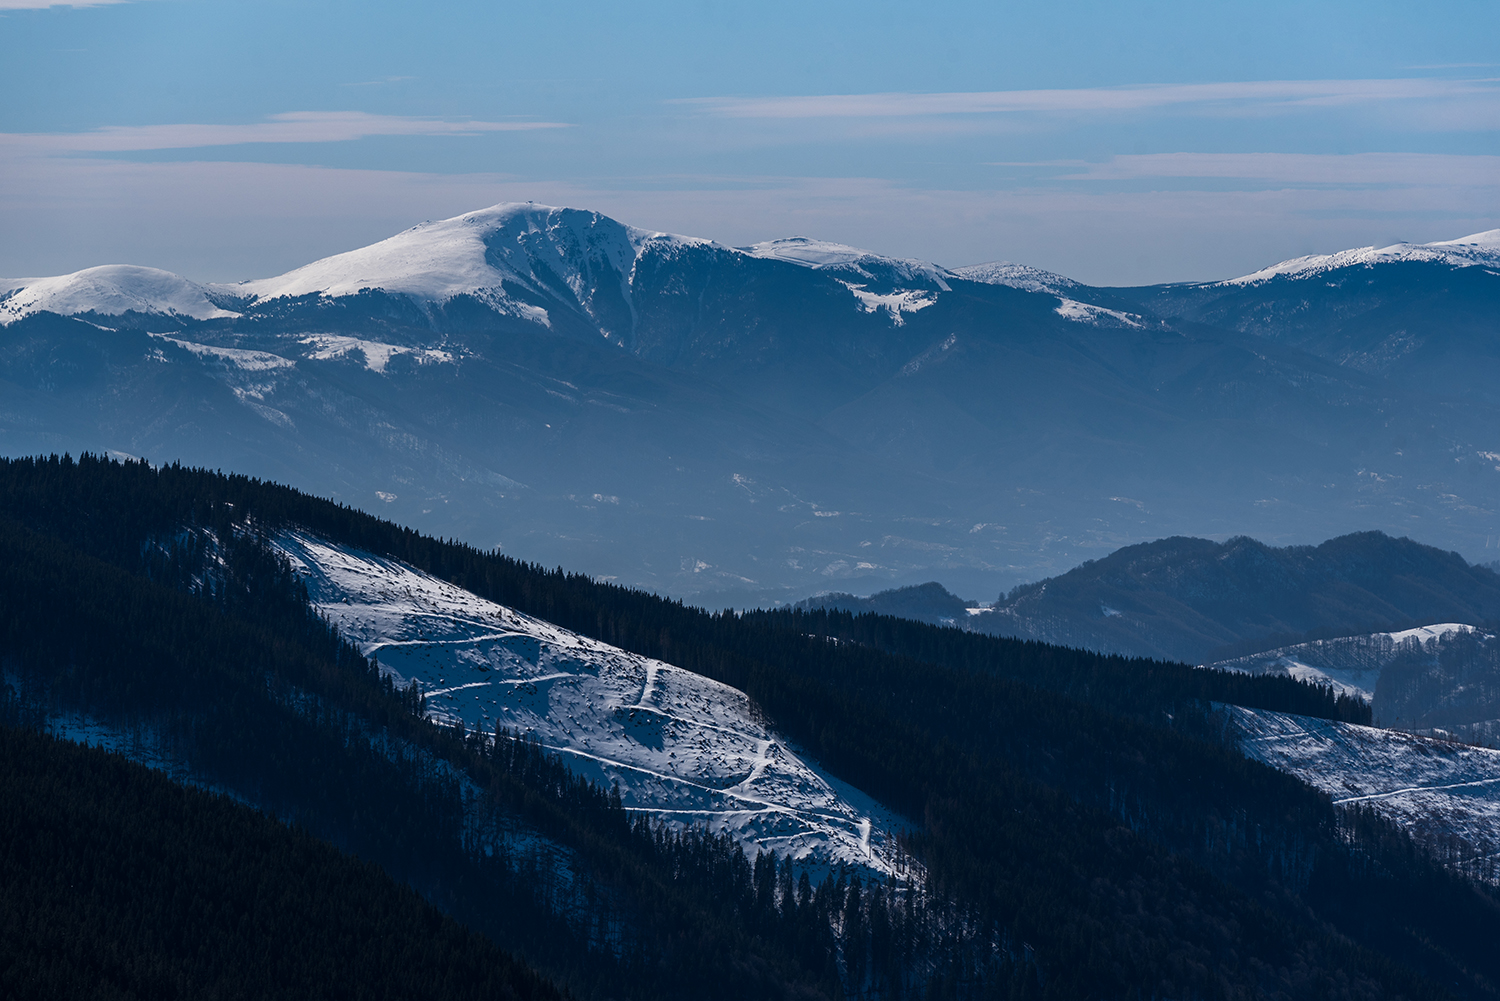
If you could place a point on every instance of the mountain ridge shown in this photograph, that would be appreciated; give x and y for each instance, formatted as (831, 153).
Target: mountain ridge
(749, 425)
(1184, 598)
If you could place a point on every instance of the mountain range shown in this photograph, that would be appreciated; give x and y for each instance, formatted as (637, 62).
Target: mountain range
(742, 425)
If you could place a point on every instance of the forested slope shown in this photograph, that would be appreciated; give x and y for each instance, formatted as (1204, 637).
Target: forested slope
(1081, 812)
(117, 883)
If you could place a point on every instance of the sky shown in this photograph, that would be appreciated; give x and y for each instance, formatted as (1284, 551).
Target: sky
(1117, 143)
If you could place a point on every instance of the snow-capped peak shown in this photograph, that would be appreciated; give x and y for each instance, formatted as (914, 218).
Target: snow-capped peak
(110, 290)
(521, 244)
(1481, 249)
(519, 258)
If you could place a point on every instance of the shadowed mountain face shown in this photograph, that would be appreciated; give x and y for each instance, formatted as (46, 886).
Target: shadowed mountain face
(755, 424)
(1182, 599)
(1424, 324)
(930, 602)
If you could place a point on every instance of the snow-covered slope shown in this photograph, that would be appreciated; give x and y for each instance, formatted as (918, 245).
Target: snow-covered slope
(519, 259)
(893, 284)
(1436, 789)
(1030, 279)
(1351, 664)
(508, 256)
(688, 749)
(1479, 249)
(822, 254)
(1019, 276)
(109, 291)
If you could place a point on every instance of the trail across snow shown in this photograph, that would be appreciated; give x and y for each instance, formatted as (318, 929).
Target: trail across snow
(1436, 789)
(688, 749)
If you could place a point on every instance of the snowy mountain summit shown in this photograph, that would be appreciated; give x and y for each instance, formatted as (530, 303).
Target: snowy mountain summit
(1477, 250)
(516, 258)
(110, 290)
(509, 257)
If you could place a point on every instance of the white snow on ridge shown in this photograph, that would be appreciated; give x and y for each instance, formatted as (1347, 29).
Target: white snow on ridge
(1083, 312)
(109, 291)
(1030, 279)
(807, 252)
(240, 358)
(1351, 665)
(685, 748)
(1479, 249)
(476, 254)
(1433, 632)
(376, 354)
(888, 272)
(1019, 276)
(1433, 788)
(821, 254)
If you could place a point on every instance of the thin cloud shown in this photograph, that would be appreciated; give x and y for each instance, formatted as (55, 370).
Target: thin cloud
(1282, 93)
(44, 4)
(290, 127)
(1344, 169)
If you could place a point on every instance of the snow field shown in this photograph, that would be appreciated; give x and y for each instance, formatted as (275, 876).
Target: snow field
(109, 291)
(689, 750)
(1351, 665)
(1437, 790)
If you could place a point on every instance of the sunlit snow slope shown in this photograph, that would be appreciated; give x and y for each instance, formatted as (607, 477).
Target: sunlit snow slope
(1351, 664)
(1438, 790)
(1479, 249)
(687, 749)
(109, 291)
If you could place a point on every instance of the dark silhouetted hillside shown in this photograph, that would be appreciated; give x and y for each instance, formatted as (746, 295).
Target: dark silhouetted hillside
(1185, 599)
(930, 602)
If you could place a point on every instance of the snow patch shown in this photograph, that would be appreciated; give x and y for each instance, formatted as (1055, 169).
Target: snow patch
(376, 354)
(248, 361)
(1019, 276)
(1098, 316)
(894, 303)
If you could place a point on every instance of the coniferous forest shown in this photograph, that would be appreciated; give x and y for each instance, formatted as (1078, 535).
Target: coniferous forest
(1082, 824)
(119, 883)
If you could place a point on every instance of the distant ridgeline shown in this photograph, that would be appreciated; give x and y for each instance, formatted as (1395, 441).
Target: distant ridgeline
(1196, 600)
(1084, 828)
(930, 602)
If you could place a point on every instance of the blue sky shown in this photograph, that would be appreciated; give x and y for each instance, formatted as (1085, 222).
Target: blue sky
(1114, 142)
